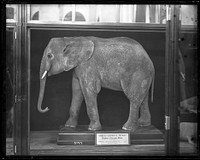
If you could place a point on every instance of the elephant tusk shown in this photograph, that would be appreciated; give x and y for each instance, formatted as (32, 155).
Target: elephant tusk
(45, 110)
(44, 74)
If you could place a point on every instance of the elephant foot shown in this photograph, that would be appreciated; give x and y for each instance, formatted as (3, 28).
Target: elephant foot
(144, 123)
(95, 126)
(130, 127)
(71, 123)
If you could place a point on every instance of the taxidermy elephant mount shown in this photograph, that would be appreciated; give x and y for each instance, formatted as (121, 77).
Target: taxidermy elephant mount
(118, 63)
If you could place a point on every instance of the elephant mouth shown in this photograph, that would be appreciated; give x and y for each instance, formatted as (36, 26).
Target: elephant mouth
(44, 74)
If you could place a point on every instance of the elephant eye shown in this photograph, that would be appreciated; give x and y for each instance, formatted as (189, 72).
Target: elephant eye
(49, 55)
(66, 49)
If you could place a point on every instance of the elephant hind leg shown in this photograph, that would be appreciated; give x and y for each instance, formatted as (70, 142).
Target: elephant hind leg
(131, 123)
(145, 116)
(135, 90)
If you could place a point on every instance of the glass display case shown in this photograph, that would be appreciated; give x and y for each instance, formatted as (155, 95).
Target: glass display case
(167, 33)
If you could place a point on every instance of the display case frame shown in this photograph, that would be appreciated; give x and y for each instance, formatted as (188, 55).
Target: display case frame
(11, 88)
(22, 112)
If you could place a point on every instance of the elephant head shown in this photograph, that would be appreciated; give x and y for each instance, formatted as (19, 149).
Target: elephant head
(62, 54)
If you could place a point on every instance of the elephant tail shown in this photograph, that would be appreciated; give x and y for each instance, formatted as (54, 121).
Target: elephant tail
(152, 87)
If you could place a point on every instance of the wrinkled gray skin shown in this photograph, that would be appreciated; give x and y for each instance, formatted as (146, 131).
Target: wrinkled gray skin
(119, 64)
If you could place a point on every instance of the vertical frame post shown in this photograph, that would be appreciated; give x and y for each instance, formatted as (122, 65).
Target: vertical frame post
(24, 80)
(21, 129)
(171, 82)
(17, 110)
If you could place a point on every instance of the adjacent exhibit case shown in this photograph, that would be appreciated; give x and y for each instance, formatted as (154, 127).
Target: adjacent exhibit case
(52, 60)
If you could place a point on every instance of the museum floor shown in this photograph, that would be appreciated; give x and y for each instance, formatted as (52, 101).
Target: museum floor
(44, 143)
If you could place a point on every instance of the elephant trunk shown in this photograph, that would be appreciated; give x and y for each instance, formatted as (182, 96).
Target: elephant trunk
(41, 94)
(44, 69)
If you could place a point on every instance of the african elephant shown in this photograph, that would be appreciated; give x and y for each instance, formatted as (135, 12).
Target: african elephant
(115, 63)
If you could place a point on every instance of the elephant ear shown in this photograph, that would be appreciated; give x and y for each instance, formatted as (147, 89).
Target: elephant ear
(76, 51)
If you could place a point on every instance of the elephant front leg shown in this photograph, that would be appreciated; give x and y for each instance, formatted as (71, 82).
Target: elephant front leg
(92, 110)
(77, 98)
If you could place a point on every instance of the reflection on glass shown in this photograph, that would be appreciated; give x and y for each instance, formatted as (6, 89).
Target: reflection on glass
(189, 14)
(11, 12)
(78, 16)
(154, 14)
(188, 81)
(108, 13)
(9, 92)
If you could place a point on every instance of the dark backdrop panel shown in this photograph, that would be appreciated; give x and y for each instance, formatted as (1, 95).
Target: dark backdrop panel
(113, 105)
(188, 48)
(8, 82)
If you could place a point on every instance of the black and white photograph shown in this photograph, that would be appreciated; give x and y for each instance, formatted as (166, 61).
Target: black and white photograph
(101, 80)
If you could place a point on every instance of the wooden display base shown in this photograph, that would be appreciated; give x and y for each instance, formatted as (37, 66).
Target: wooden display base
(81, 136)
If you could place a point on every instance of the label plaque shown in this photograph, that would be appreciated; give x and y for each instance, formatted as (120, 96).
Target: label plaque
(112, 138)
